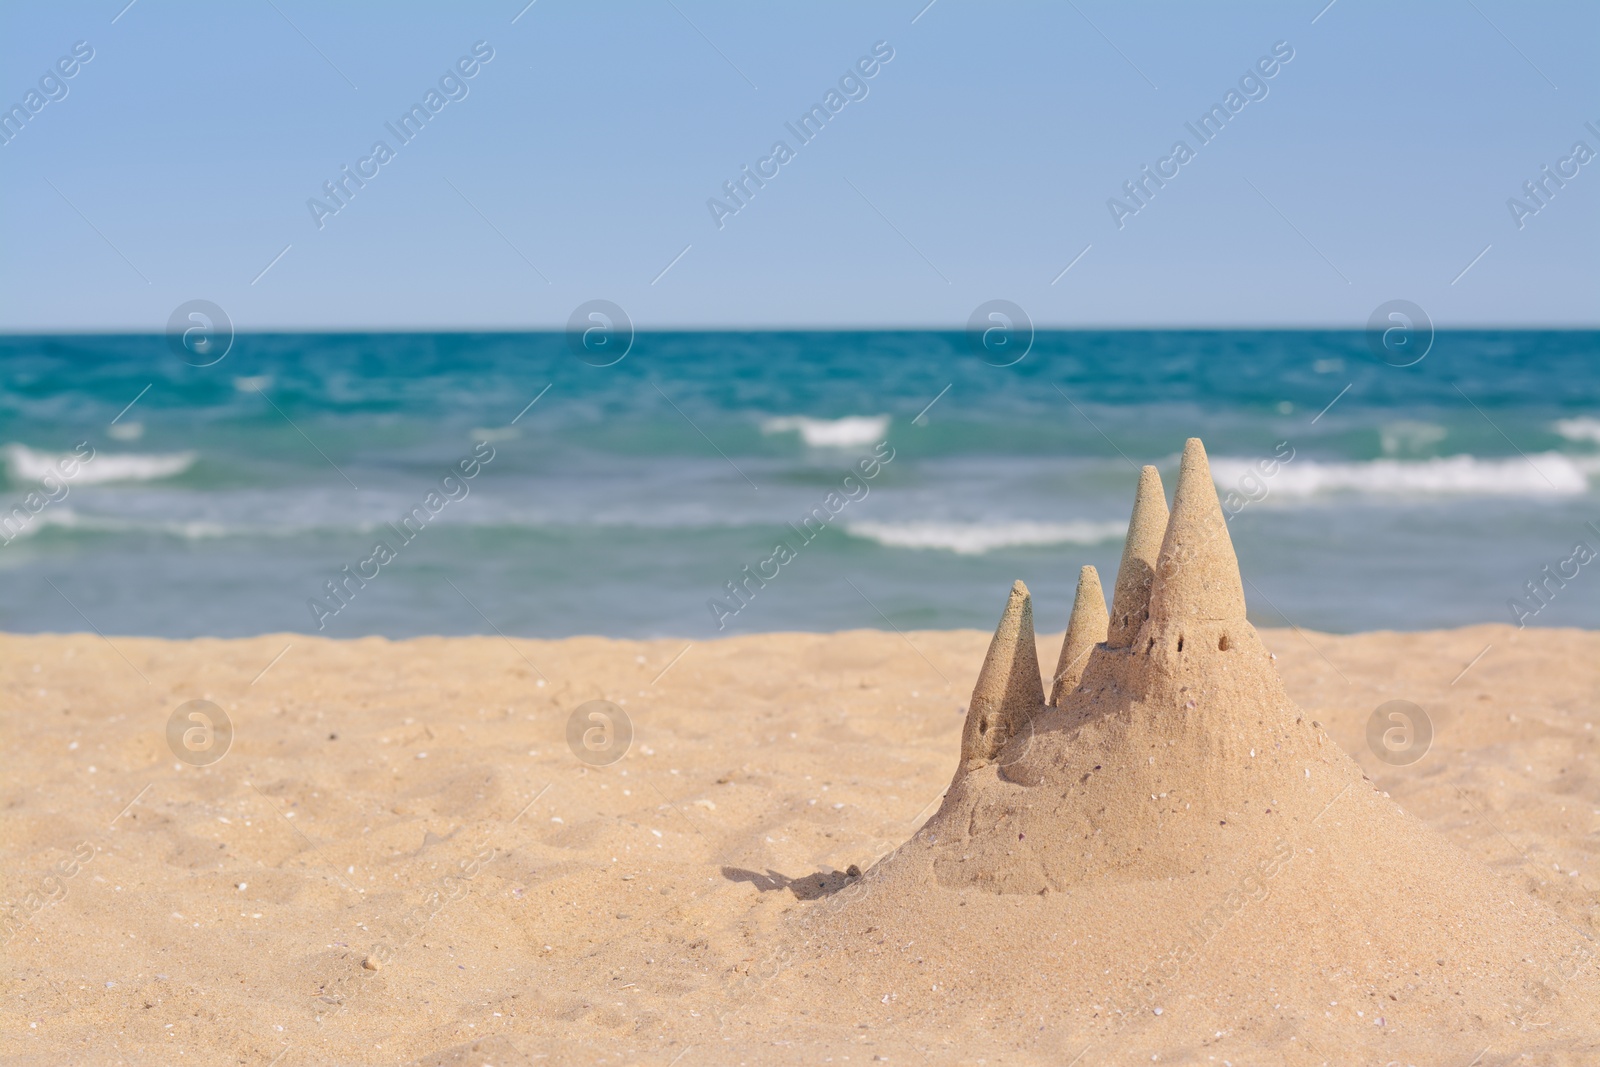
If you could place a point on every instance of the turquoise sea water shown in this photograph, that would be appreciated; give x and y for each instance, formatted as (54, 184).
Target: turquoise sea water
(621, 502)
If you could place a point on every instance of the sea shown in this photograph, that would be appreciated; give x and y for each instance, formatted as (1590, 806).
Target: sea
(717, 483)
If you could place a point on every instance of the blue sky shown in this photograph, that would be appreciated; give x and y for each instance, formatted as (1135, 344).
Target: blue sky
(978, 165)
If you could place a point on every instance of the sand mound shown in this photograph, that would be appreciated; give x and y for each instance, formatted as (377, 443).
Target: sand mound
(1172, 854)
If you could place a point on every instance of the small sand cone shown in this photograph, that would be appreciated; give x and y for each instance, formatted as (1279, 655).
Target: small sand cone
(1009, 691)
(1130, 600)
(1197, 575)
(1085, 629)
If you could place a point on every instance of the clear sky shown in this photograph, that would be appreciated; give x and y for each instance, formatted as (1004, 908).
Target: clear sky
(979, 163)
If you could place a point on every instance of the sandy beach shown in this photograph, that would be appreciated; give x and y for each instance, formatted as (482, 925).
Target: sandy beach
(414, 806)
(749, 536)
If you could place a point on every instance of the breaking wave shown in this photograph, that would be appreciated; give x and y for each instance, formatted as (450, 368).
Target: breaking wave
(1542, 474)
(23, 464)
(830, 433)
(65, 518)
(977, 538)
(1583, 428)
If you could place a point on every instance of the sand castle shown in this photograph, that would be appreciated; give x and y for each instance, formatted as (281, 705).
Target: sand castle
(1178, 584)
(1094, 847)
(1173, 667)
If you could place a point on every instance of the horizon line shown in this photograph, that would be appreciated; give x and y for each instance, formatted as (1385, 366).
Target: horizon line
(557, 331)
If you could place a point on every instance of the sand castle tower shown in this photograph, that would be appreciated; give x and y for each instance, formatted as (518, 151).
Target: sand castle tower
(1008, 693)
(1130, 601)
(1197, 596)
(1086, 628)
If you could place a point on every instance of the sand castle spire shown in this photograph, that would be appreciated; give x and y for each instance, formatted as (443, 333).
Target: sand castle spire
(1197, 575)
(1130, 600)
(1085, 629)
(1009, 691)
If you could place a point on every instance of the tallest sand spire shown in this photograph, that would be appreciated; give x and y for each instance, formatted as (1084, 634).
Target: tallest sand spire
(1197, 575)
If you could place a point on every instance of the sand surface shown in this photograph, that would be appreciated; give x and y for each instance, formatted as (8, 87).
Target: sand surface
(401, 860)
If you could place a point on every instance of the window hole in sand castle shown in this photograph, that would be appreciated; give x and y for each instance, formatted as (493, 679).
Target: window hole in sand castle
(1180, 642)
(1223, 644)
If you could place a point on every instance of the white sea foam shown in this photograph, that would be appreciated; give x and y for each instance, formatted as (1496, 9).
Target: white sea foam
(23, 464)
(1541, 474)
(68, 519)
(976, 538)
(11, 529)
(1583, 428)
(830, 433)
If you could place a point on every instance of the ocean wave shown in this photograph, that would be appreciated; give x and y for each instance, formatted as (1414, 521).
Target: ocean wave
(830, 433)
(1542, 474)
(977, 538)
(11, 529)
(1582, 428)
(67, 519)
(23, 464)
